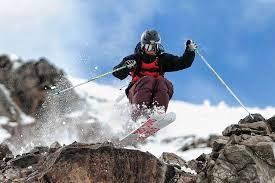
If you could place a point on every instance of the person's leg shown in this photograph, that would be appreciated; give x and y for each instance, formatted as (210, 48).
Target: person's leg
(163, 92)
(141, 95)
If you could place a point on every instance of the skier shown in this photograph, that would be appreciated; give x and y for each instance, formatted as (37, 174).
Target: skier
(147, 66)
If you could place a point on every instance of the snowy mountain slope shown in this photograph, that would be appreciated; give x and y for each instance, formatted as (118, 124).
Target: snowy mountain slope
(198, 119)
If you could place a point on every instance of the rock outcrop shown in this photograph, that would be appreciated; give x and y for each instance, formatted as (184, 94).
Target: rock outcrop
(86, 163)
(28, 83)
(244, 154)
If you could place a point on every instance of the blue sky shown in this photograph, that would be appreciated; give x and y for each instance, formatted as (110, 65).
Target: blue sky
(236, 37)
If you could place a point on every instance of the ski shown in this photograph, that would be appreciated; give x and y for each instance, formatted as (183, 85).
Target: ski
(148, 128)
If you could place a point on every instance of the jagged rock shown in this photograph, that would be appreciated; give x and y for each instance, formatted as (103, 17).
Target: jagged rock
(32, 78)
(180, 168)
(55, 145)
(254, 140)
(248, 119)
(8, 157)
(219, 143)
(271, 122)
(243, 158)
(4, 150)
(198, 164)
(83, 162)
(238, 163)
(39, 150)
(245, 154)
(10, 175)
(98, 163)
(272, 136)
(24, 161)
(3, 164)
(29, 82)
(183, 177)
(260, 128)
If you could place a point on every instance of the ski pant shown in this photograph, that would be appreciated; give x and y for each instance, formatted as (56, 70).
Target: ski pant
(148, 92)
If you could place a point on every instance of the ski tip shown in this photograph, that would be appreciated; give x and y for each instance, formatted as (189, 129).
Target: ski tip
(172, 115)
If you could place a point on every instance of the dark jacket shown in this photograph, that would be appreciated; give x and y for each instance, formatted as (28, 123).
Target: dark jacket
(167, 62)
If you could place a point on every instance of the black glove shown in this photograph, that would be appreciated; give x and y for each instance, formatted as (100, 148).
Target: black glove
(130, 63)
(191, 46)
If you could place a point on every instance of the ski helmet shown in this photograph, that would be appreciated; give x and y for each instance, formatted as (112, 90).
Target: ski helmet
(150, 36)
(150, 40)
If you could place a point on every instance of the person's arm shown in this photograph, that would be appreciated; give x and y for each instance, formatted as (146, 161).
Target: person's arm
(123, 73)
(172, 63)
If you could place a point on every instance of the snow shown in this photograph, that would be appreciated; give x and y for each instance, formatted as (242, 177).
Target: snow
(15, 60)
(3, 120)
(74, 114)
(16, 65)
(26, 119)
(3, 133)
(13, 57)
(189, 170)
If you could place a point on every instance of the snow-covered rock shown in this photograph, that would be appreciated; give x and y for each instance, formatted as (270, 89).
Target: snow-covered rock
(7, 107)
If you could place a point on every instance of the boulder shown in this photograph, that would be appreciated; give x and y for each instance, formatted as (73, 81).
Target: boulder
(182, 174)
(24, 161)
(260, 128)
(240, 163)
(90, 163)
(271, 122)
(248, 119)
(219, 143)
(4, 150)
(244, 154)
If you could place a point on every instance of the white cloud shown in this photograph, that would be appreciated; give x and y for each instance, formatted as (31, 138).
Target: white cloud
(32, 29)
(62, 30)
(28, 12)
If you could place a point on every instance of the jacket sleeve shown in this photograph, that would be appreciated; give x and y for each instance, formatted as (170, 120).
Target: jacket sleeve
(172, 63)
(122, 74)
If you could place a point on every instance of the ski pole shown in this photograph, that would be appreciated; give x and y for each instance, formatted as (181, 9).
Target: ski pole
(92, 79)
(221, 80)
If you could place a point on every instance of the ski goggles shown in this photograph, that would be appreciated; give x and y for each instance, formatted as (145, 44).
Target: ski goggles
(151, 47)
